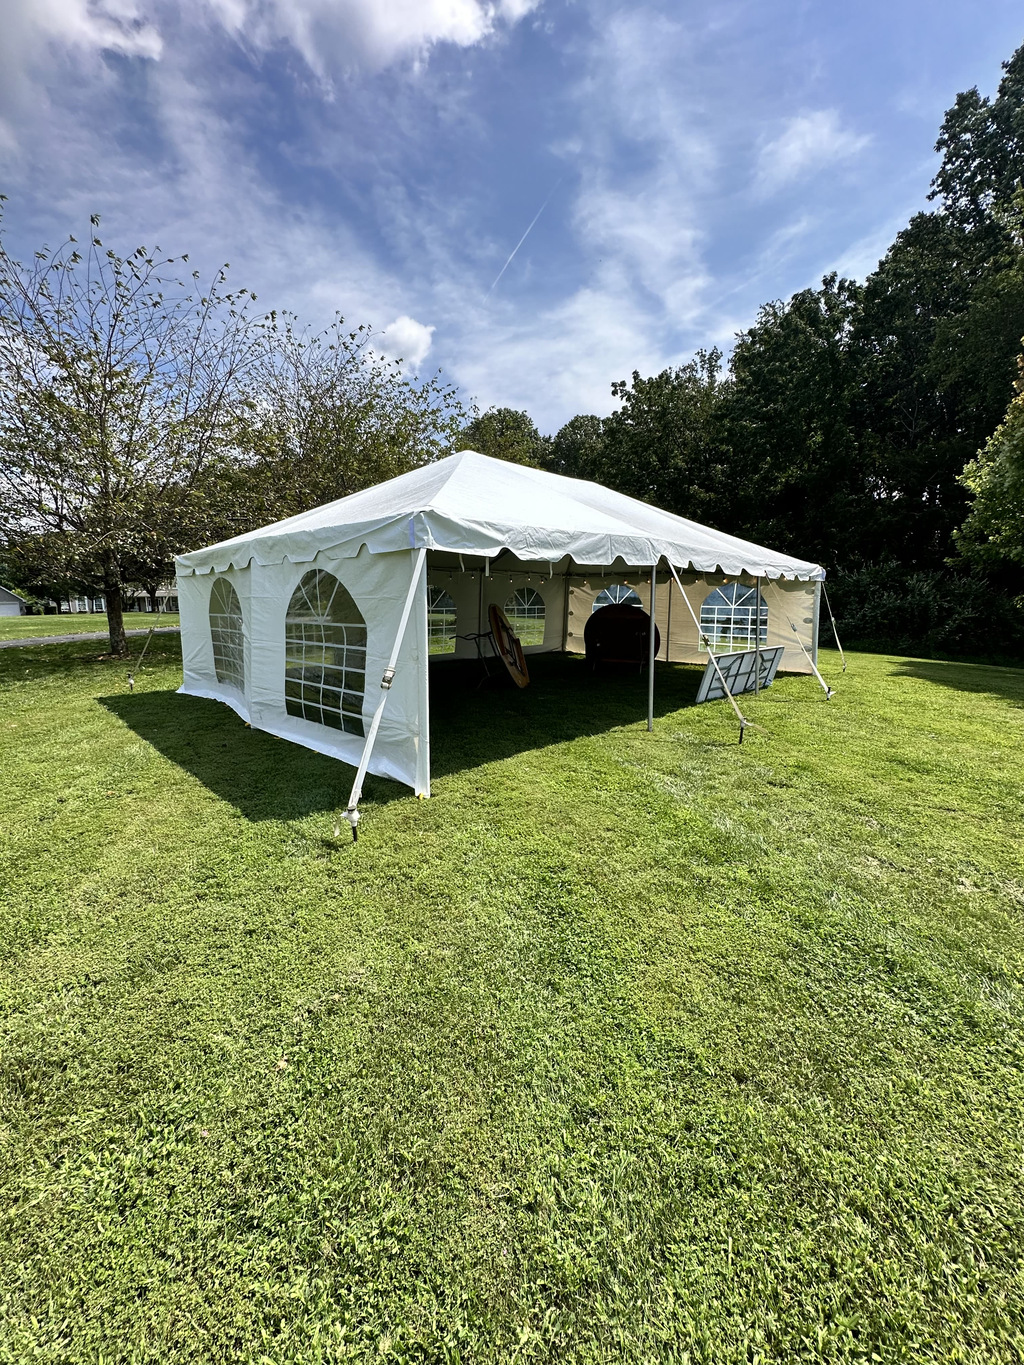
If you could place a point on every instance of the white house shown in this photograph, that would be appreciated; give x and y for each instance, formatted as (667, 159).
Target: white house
(11, 604)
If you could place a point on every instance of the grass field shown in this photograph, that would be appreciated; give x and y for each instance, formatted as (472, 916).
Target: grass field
(77, 623)
(624, 1047)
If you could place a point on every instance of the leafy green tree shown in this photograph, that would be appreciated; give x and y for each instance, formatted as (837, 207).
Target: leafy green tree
(982, 146)
(332, 416)
(118, 387)
(994, 528)
(792, 418)
(578, 449)
(667, 442)
(505, 434)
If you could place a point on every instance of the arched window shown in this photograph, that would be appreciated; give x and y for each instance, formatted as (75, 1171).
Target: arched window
(325, 654)
(226, 632)
(617, 594)
(525, 612)
(732, 617)
(441, 617)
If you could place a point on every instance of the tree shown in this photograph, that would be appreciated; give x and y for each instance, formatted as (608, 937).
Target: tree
(578, 449)
(505, 434)
(994, 528)
(982, 146)
(667, 442)
(119, 385)
(792, 419)
(331, 416)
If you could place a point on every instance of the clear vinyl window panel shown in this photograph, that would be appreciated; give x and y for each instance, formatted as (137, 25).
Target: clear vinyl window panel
(733, 617)
(618, 594)
(441, 620)
(227, 636)
(525, 611)
(325, 654)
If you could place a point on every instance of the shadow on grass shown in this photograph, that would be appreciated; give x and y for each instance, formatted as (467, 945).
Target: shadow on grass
(267, 778)
(987, 679)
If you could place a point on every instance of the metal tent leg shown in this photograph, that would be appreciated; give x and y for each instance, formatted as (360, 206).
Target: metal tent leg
(352, 811)
(651, 650)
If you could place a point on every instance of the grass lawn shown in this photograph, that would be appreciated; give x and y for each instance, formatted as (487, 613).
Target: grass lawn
(623, 1048)
(77, 623)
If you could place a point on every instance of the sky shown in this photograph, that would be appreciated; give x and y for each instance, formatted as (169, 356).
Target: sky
(536, 197)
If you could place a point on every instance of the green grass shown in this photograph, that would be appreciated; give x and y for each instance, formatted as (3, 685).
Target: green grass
(78, 623)
(624, 1047)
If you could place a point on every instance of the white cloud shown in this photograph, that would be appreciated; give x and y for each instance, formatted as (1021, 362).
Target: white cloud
(29, 26)
(334, 35)
(40, 36)
(809, 142)
(407, 340)
(644, 219)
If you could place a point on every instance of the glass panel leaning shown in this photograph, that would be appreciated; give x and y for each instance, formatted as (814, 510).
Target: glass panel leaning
(226, 634)
(325, 654)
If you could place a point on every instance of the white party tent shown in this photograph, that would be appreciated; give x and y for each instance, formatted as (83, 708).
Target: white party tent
(308, 627)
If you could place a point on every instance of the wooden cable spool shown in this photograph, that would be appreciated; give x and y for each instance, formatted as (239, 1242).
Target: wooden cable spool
(506, 642)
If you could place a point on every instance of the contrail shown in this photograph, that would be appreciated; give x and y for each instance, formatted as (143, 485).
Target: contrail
(523, 238)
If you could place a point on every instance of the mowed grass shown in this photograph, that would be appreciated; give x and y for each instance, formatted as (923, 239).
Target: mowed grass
(78, 623)
(624, 1047)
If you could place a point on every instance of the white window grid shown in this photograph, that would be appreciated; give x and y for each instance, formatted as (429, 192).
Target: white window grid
(619, 594)
(442, 616)
(526, 611)
(325, 654)
(226, 633)
(732, 618)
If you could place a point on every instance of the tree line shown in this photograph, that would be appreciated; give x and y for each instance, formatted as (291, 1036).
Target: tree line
(872, 426)
(144, 412)
(847, 425)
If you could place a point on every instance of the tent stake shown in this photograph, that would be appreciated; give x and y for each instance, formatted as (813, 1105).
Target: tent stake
(352, 812)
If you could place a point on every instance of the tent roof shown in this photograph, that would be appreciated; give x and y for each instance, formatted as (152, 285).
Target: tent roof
(472, 504)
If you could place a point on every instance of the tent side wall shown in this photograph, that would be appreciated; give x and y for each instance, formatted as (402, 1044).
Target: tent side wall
(788, 601)
(378, 586)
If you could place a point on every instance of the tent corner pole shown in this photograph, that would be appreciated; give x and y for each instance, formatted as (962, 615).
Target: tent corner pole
(352, 810)
(757, 637)
(651, 649)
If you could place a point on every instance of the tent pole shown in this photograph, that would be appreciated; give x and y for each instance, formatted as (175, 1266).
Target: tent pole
(651, 649)
(565, 610)
(835, 628)
(668, 626)
(814, 667)
(757, 635)
(711, 657)
(352, 812)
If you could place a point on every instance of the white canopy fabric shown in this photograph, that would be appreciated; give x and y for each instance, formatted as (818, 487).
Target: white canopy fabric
(472, 504)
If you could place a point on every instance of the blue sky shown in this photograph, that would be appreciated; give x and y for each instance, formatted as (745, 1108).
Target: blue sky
(383, 158)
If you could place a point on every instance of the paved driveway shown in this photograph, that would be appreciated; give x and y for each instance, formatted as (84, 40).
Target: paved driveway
(70, 639)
